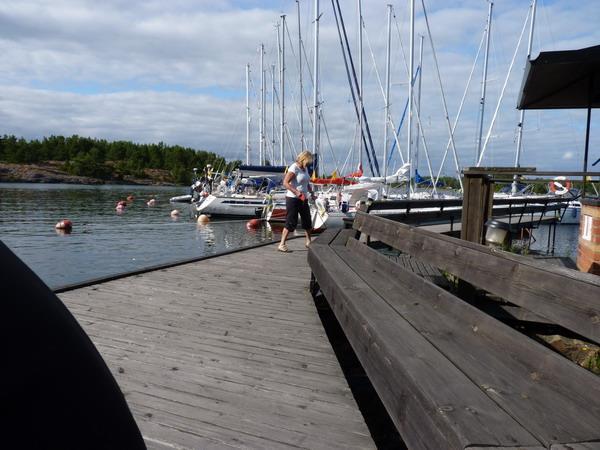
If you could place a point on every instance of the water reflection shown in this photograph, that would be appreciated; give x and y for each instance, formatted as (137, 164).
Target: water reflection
(102, 241)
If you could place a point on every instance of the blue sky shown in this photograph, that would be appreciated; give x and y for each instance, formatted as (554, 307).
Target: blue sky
(152, 71)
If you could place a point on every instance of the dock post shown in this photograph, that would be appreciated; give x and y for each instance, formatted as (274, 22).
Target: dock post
(477, 205)
(588, 249)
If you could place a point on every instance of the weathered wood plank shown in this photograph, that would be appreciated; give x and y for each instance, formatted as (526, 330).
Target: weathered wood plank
(206, 363)
(535, 385)
(577, 446)
(563, 296)
(432, 403)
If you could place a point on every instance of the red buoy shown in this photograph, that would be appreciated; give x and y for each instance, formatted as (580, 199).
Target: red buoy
(253, 224)
(65, 225)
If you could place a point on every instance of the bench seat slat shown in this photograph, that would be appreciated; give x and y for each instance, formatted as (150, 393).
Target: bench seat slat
(433, 404)
(542, 390)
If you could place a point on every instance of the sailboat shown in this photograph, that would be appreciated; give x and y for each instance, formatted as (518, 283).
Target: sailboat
(245, 196)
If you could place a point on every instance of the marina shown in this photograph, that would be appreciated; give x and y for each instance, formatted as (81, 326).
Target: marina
(441, 290)
(212, 354)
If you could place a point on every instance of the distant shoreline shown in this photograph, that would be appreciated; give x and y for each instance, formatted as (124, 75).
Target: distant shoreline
(51, 172)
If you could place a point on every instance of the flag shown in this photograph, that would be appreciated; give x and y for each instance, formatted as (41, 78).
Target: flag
(334, 174)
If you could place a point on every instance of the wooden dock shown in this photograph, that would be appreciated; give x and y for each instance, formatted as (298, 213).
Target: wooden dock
(226, 352)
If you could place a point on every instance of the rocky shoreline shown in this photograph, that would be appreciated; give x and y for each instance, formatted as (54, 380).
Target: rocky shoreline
(52, 172)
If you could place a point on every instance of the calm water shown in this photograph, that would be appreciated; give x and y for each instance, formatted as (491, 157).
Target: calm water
(567, 237)
(103, 242)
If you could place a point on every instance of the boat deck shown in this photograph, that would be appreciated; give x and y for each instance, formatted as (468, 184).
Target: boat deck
(226, 352)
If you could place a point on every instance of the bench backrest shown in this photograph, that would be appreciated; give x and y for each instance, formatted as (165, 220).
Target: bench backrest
(563, 296)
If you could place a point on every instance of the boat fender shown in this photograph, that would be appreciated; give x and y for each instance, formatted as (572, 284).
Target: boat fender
(253, 224)
(66, 225)
(560, 185)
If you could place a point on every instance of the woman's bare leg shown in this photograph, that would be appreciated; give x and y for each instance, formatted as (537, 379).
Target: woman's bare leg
(284, 235)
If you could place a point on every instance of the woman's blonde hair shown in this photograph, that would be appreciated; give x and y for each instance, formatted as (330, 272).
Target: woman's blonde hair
(304, 157)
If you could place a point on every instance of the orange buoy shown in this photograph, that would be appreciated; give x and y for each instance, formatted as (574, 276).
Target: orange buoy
(151, 202)
(203, 218)
(65, 225)
(253, 224)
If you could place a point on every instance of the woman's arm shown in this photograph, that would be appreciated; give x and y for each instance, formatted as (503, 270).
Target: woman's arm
(289, 176)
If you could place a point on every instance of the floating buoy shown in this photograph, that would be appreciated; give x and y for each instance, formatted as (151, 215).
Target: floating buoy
(121, 205)
(130, 198)
(253, 224)
(203, 218)
(151, 202)
(65, 225)
(175, 213)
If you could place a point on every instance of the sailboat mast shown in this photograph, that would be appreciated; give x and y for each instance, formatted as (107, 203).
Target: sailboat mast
(421, 38)
(488, 33)
(282, 92)
(522, 113)
(247, 114)
(272, 113)
(411, 71)
(302, 145)
(316, 90)
(360, 82)
(261, 133)
(387, 91)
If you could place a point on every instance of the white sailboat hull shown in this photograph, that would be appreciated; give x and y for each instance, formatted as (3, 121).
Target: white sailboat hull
(232, 206)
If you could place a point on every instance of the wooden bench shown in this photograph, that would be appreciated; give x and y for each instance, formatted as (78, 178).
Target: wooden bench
(449, 375)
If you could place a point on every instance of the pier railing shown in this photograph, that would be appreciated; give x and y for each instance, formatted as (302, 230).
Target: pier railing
(428, 210)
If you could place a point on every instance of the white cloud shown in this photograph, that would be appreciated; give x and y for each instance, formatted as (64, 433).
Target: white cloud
(174, 71)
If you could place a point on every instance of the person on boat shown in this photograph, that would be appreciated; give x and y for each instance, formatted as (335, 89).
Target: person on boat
(296, 181)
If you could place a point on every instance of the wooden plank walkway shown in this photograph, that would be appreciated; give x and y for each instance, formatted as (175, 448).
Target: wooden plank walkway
(224, 353)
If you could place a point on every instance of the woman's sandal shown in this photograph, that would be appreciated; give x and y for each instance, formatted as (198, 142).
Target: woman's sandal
(283, 248)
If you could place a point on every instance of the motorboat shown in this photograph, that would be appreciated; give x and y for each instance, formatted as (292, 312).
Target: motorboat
(276, 212)
(233, 206)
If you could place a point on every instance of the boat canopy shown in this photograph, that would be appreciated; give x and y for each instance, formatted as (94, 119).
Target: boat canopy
(568, 79)
(261, 171)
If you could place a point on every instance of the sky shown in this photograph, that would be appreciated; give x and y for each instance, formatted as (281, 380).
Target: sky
(151, 71)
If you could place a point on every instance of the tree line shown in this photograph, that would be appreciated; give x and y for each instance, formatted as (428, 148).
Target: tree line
(99, 158)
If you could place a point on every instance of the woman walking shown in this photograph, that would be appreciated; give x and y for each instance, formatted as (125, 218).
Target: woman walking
(296, 182)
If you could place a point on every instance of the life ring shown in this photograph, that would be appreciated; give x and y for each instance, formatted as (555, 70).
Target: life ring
(560, 185)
